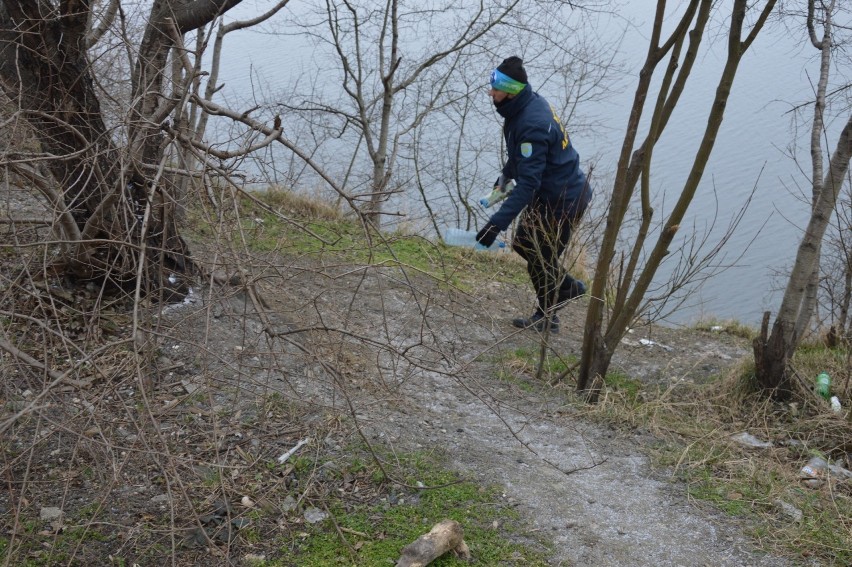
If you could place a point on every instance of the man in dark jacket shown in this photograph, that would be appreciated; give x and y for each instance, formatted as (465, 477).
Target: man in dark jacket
(551, 190)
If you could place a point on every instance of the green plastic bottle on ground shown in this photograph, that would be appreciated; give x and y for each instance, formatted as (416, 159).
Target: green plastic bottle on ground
(823, 385)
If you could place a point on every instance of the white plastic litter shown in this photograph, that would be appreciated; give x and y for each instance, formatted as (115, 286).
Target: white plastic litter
(648, 342)
(835, 404)
(750, 440)
(283, 458)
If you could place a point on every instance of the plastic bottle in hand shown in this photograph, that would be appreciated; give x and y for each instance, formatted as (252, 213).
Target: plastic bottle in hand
(500, 192)
(459, 237)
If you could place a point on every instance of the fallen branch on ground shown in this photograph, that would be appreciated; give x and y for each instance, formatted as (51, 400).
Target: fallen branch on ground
(444, 536)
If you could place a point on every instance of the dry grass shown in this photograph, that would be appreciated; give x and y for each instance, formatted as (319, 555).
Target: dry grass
(298, 204)
(696, 428)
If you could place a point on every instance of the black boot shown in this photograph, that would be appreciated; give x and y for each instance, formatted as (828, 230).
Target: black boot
(538, 322)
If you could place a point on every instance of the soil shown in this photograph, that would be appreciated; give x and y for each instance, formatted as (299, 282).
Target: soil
(410, 363)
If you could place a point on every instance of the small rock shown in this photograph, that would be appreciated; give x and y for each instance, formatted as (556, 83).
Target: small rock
(190, 387)
(314, 515)
(289, 504)
(790, 511)
(240, 523)
(252, 559)
(50, 514)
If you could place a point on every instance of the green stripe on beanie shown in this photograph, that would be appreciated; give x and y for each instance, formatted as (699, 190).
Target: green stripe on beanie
(502, 82)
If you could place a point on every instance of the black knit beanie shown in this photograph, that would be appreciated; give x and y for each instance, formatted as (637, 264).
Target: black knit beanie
(514, 67)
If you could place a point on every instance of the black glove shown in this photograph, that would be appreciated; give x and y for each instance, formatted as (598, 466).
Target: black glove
(488, 234)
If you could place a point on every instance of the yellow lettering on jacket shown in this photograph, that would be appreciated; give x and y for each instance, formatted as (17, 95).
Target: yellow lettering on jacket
(565, 140)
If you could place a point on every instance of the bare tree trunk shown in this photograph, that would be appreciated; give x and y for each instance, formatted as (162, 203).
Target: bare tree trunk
(596, 355)
(43, 69)
(771, 355)
(784, 339)
(599, 345)
(798, 302)
(107, 189)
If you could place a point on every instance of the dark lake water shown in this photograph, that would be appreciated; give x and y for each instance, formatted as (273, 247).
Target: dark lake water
(750, 161)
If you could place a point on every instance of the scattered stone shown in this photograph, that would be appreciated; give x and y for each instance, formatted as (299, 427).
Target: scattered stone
(790, 511)
(252, 559)
(314, 515)
(50, 514)
(839, 471)
(289, 504)
(160, 499)
(219, 526)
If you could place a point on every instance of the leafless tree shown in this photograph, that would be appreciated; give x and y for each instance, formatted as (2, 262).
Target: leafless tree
(393, 76)
(772, 350)
(116, 211)
(633, 274)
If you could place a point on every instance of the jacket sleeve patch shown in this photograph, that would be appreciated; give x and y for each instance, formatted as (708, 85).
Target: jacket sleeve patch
(526, 149)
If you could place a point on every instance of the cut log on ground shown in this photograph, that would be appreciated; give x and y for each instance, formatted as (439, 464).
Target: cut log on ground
(444, 536)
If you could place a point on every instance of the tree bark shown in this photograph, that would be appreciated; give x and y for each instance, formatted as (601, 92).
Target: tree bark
(785, 337)
(771, 358)
(107, 188)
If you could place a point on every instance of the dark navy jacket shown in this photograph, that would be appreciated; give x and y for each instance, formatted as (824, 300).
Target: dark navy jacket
(541, 160)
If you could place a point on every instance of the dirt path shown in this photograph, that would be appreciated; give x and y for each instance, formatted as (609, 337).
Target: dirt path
(616, 512)
(587, 489)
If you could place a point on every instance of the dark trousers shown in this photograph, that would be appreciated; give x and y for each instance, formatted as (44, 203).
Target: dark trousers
(541, 237)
